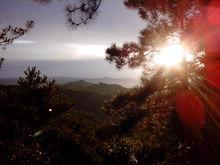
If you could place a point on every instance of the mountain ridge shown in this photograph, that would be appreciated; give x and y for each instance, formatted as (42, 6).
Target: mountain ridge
(101, 88)
(125, 82)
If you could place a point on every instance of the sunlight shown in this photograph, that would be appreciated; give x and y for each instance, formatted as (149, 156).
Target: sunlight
(88, 51)
(172, 55)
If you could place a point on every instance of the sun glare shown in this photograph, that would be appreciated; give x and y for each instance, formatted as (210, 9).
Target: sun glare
(172, 55)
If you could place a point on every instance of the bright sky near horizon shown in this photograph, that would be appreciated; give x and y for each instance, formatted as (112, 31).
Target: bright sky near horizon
(50, 42)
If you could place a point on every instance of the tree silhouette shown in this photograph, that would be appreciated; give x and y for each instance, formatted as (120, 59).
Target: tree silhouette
(166, 20)
(193, 24)
(78, 13)
(9, 34)
(36, 91)
(33, 80)
(41, 97)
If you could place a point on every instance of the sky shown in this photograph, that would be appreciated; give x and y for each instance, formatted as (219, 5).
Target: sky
(57, 51)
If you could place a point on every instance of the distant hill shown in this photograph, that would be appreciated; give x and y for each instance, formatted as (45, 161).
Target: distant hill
(90, 97)
(76, 85)
(100, 88)
(8, 81)
(126, 82)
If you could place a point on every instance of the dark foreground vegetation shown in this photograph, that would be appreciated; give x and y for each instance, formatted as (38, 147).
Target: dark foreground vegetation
(171, 119)
(43, 123)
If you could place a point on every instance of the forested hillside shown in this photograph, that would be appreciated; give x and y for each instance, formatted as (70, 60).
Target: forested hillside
(90, 97)
(51, 124)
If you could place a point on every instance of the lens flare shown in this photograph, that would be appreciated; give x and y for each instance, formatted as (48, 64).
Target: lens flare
(172, 55)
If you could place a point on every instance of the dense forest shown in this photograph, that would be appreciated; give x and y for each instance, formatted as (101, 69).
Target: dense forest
(61, 124)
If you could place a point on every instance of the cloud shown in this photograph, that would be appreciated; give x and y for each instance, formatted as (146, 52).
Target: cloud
(24, 42)
(88, 51)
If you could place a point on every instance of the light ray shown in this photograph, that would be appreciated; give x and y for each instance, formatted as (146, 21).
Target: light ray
(172, 55)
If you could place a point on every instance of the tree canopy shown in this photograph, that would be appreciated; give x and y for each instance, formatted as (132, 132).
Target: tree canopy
(167, 22)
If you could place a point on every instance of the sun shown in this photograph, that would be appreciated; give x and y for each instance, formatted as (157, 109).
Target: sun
(172, 55)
